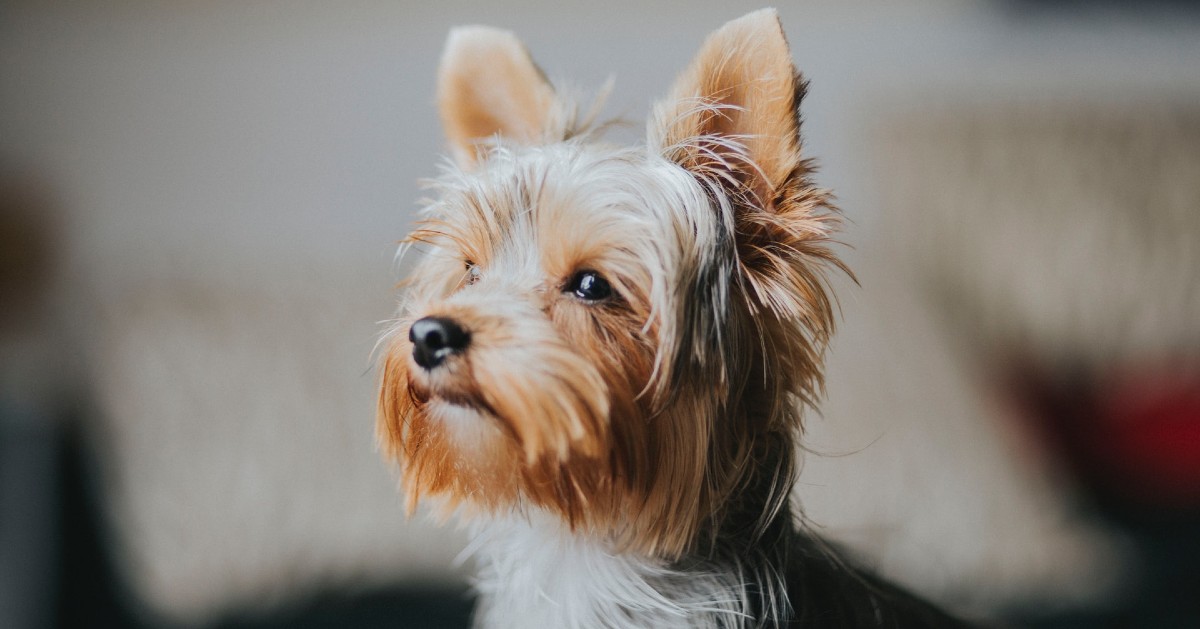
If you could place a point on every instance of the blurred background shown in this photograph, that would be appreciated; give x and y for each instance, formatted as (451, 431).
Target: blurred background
(199, 203)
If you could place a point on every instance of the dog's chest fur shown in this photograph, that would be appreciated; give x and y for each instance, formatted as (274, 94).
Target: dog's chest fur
(536, 573)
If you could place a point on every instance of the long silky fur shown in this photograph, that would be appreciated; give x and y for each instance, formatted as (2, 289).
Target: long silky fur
(628, 462)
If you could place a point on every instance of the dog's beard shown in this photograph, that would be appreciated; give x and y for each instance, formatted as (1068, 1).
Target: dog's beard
(522, 417)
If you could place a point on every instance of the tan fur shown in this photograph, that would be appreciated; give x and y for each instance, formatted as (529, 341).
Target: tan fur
(732, 119)
(648, 418)
(741, 86)
(488, 85)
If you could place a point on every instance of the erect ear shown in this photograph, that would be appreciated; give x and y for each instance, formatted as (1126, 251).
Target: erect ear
(732, 120)
(732, 116)
(488, 85)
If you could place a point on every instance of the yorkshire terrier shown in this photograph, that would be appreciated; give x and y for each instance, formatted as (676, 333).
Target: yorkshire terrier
(604, 353)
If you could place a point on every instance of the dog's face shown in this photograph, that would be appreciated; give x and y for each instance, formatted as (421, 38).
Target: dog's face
(618, 336)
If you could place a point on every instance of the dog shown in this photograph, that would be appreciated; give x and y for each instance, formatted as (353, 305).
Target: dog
(603, 355)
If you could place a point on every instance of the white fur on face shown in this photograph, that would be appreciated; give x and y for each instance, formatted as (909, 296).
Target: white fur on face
(561, 382)
(528, 218)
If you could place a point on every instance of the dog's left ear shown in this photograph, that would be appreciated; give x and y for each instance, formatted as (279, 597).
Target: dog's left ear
(732, 120)
(487, 86)
(734, 113)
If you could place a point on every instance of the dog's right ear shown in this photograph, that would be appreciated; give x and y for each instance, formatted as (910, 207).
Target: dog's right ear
(487, 86)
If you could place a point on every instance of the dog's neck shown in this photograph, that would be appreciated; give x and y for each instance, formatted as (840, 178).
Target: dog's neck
(536, 572)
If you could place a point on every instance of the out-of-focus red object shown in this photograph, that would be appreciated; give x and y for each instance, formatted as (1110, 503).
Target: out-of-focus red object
(1131, 433)
(1150, 432)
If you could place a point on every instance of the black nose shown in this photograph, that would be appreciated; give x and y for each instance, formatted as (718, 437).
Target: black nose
(436, 338)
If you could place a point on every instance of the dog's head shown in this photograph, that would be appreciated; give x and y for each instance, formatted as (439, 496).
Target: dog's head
(619, 336)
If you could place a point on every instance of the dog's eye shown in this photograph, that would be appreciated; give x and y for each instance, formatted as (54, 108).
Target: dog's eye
(472, 272)
(588, 285)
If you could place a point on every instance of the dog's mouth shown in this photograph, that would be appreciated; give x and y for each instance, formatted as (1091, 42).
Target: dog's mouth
(428, 393)
(461, 400)
(431, 395)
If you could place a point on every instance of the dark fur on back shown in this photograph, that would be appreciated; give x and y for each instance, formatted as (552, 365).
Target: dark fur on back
(827, 588)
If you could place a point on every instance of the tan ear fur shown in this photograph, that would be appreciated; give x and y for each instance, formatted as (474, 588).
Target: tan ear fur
(741, 88)
(732, 119)
(489, 85)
